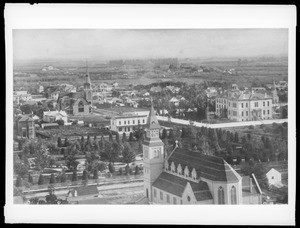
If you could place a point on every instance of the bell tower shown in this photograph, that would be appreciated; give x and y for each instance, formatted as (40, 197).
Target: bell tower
(88, 86)
(153, 154)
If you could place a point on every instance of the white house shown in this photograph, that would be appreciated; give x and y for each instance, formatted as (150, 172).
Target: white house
(273, 176)
(52, 116)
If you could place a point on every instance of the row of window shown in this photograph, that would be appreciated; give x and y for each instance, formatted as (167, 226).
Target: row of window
(234, 113)
(234, 104)
(128, 122)
(126, 129)
(161, 196)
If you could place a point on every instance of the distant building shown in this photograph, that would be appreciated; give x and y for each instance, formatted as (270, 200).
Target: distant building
(52, 116)
(26, 127)
(189, 177)
(242, 106)
(273, 176)
(77, 103)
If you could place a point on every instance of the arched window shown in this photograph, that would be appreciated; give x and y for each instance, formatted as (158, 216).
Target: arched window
(233, 195)
(221, 197)
(80, 106)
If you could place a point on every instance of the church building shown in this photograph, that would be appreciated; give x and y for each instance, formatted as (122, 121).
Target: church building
(77, 103)
(189, 177)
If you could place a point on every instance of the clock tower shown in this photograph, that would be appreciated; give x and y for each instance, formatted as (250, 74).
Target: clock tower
(153, 154)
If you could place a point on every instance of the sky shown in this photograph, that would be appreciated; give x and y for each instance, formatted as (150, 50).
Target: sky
(108, 44)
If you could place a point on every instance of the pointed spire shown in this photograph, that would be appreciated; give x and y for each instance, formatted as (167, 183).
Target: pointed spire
(152, 121)
(87, 75)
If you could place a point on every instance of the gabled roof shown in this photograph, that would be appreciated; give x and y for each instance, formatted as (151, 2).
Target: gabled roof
(176, 185)
(208, 167)
(26, 119)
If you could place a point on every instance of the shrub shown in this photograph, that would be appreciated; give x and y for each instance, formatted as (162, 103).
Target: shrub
(74, 176)
(30, 179)
(41, 180)
(19, 182)
(52, 179)
(101, 166)
(95, 176)
(111, 168)
(121, 171)
(137, 170)
(63, 178)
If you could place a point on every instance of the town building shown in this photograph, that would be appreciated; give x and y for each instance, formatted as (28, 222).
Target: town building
(53, 116)
(77, 103)
(189, 177)
(26, 126)
(244, 106)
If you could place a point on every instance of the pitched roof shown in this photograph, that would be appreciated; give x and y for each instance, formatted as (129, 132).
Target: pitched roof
(25, 119)
(206, 166)
(175, 185)
(87, 190)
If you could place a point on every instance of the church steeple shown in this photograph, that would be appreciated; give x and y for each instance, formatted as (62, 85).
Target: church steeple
(88, 86)
(152, 122)
(87, 75)
(153, 153)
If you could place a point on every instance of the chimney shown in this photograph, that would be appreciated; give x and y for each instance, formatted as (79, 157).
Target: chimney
(250, 184)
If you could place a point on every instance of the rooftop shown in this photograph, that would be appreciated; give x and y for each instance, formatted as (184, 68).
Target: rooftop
(176, 185)
(206, 166)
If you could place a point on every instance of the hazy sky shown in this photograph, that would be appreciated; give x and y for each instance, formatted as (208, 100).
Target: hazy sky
(115, 44)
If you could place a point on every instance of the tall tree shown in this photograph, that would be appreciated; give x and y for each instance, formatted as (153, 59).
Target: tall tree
(95, 176)
(52, 179)
(128, 154)
(74, 176)
(41, 180)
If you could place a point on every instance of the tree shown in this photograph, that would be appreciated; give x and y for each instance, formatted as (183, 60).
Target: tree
(127, 169)
(164, 134)
(236, 137)
(52, 179)
(30, 179)
(137, 170)
(60, 122)
(128, 154)
(95, 176)
(41, 180)
(111, 168)
(63, 178)
(111, 151)
(131, 137)
(101, 166)
(66, 142)
(124, 137)
(74, 176)
(117, 138)
(85, 175)
(110, 137)
(121, 171)
(19, 182)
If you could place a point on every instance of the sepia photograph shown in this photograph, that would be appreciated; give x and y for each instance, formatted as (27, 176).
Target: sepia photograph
(150, 116)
